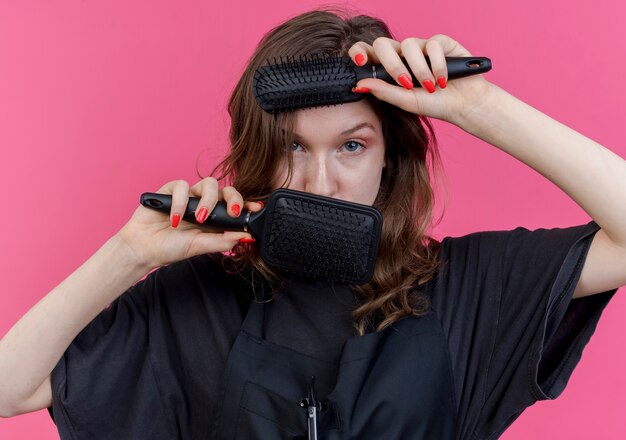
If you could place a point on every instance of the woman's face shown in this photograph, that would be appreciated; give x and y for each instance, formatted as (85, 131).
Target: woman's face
(339, 152)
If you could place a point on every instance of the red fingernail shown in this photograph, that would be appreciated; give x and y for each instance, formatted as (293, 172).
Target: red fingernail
(262, 204)
(359, 59)
(202, 214)
(175, 220)
(429, 86)
(247, 240)
(236, 209)
(442, 82)
(405, 80)
(360, 90)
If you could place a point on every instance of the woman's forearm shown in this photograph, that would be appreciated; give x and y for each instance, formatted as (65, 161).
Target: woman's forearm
(33, 346)
(593, 176)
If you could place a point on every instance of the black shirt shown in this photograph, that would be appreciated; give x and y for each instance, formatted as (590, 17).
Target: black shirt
(502, 298)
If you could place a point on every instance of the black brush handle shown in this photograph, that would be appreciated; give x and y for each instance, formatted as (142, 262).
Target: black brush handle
(458, 67)
(217, 221)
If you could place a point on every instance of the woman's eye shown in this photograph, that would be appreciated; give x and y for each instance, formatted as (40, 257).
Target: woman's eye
(352, 146)
(295, 146)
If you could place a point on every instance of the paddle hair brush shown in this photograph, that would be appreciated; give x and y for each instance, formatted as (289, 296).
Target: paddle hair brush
(298, 232)
(318, 80)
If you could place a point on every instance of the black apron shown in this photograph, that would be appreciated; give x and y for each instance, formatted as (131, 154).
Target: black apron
(392, 384)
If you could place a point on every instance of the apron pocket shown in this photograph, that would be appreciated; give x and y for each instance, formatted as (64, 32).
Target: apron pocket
(262, 410)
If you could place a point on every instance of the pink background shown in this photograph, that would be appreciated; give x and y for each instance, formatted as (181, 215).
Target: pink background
(101, 101)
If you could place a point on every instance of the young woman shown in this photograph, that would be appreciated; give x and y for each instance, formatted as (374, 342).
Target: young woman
(450, 339)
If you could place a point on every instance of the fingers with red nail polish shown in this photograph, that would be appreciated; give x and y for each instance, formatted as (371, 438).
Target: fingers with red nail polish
(233, 199)
(406, 81)
(157, 239)
(428, 85)
(202, 214)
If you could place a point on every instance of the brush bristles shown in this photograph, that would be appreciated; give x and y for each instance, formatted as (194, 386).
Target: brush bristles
(321, 240)
(310, 81)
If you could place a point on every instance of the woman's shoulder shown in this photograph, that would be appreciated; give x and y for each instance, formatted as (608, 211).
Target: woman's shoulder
(489, 240)
(203, 279)
(491, 256)
(201, 269)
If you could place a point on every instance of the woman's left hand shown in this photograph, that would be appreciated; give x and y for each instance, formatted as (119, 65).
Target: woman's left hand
(450, 101)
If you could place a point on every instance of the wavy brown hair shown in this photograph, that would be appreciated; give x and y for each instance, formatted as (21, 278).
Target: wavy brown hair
(408, 257)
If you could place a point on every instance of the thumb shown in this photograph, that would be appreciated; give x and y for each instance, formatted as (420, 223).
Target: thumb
(408, 100)
(217, 242)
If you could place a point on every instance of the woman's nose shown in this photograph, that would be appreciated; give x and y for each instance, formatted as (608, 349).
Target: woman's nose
(320, 177)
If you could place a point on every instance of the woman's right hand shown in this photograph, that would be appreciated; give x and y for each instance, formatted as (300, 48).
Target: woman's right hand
(155, 241)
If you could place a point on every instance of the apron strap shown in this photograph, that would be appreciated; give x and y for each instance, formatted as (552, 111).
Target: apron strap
(255, 318)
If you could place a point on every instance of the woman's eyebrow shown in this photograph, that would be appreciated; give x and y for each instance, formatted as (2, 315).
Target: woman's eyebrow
(348, 131)
(357, 128)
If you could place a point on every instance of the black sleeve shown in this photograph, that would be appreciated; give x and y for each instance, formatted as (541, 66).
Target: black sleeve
(515, 334)
(149, 366)
(105, 375)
